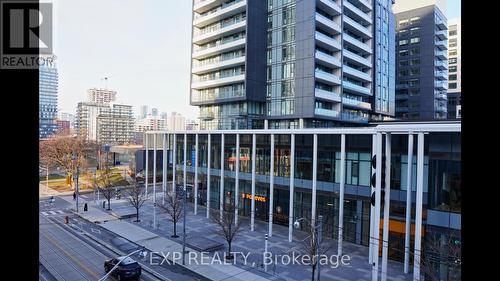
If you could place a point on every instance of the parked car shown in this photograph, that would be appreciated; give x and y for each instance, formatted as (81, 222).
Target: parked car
(127, 269)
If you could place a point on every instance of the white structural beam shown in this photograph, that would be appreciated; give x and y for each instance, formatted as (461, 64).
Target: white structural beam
(146, 172)
(164, 167)
(376, 230)
(174, 156)
(196, 174)
(387, 200)
(252, 206)
(271, 187)
(408, 203)
(221, 203)
(314, 171)
(418, 205)
(292, 175)
(372, 208)
(209, 154)
(184, 179)
(154, 181)
(237, 180)
(341, 196)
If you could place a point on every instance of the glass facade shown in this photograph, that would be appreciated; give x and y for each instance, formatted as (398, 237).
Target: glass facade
(48, 89)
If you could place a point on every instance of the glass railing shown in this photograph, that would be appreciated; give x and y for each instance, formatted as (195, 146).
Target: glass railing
(218, 75)
(200, 97)
(354, 102)
(218, 43)
(355, 41)
(224, 5)
(358, 72)
(356, 24)
(357, 10)
(355, 87)
(326, 37)
(332, 59)
(355, 117)
(220, 25)
(218, 59)
(326, 112)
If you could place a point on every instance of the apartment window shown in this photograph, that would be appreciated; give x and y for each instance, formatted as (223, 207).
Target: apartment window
(288, 52)
(288, 15)
(414, 92)
(270, 21)
(453, 52)
(415, 71)
(414, 82)
(269, 56)
(452, 69)
(414, 30)
(452, 85)
(403, 53)
(414, 62)
(288, 70)
(414, 20)
(269, 73)
(453, 33)
(452, 77)
(288, 88)
(414, 40)
(403, 32)
(403, 63)
(414, 52)
(403, 72)
(452, 60)
(403, 42)
(288, 34)
(453, 43)
(403, 22)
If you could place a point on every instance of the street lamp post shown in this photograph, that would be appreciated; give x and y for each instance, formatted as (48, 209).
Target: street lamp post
(318, 230)
(75, 159)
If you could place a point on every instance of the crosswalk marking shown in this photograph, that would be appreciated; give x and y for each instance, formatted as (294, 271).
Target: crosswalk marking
(60, 212)
(44, 213)
(52, 212)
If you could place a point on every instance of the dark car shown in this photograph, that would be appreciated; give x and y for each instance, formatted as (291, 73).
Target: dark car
(127, 269)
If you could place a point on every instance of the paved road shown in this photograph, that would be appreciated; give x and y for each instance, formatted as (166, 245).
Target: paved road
(74, 256)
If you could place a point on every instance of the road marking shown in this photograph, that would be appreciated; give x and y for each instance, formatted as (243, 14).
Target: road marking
(52, 212)
(44, 213)
(95, 230)
(53, 242)
(60, 212)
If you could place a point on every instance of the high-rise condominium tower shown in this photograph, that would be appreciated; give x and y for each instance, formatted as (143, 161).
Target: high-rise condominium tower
(292, 64)
(47, 112)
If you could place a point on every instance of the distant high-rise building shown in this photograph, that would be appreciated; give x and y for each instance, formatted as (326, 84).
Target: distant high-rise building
(109, 123)
(66, 116)
(101, 96)
(63, 127)
(176, 122)
(454, 67)
(192, 125)
(421, 63)
(143, 111)
(164, 115)
(293, 63)
(47, 106)
(151, 123)
(154, 112)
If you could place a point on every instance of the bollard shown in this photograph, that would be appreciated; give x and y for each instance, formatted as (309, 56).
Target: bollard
(103, 204)
(85, 208)
(66, 220)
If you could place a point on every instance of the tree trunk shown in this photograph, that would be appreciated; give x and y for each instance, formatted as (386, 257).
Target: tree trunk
(109, 204)
(175, 231)
(313, 271)
(137, 212)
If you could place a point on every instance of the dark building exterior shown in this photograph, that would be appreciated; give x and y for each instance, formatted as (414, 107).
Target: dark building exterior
(421, 64)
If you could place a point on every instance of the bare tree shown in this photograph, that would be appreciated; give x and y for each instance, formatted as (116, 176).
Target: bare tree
(137, 198)
(173, 207)
(441, 252)
(106, 186)
(228, 228)
(59, 151)
(312, 246)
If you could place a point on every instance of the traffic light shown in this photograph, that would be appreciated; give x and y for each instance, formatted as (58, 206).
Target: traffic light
(374, 180)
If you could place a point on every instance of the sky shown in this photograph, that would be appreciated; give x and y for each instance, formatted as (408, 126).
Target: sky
(143, 47)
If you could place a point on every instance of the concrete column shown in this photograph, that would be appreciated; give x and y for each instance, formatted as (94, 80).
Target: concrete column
(266, 124)
(271, 188)
(315, 170)
(372, 209)
(387, 201)
(237, 179)
(359, 214)
(173, 164)
(221, 204)
(408, 203)
(341, 196)
(184, 177)
(146, 168)
(164, 166)
(252, 207)
(209, 152)
(292, 175)
(376, 225)
(196, 175)
(154, 181)
(418, 210)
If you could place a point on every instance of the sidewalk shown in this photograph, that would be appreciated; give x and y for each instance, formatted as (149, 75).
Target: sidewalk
(156, 243)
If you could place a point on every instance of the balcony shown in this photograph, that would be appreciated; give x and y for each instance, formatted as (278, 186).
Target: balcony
(356, 44)
(442, 55)
(442, 34)
(219, 48)
(441, 95)
(352, 57)
(354, 73)
(326, 59)
(326, 112)
(211, 98)
(356, 103)
(356, 118)
(441, 75)
(207, 116)
(356, 88)
(225, 29)
(327, 78)
(441, 85)
(357, 28)
(218, 65)
(441, 45)
(329, 6)
(201, 6)
(218, 82)
(441, 24)
(328, 24)
(358, 14)
(441, 64)
(327, 42)
(226, 11)
(327, 95)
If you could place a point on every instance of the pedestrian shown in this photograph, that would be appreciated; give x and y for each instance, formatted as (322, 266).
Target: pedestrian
(74, 196)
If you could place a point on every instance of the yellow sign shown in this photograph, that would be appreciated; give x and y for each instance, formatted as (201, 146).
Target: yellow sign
(257, 197)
